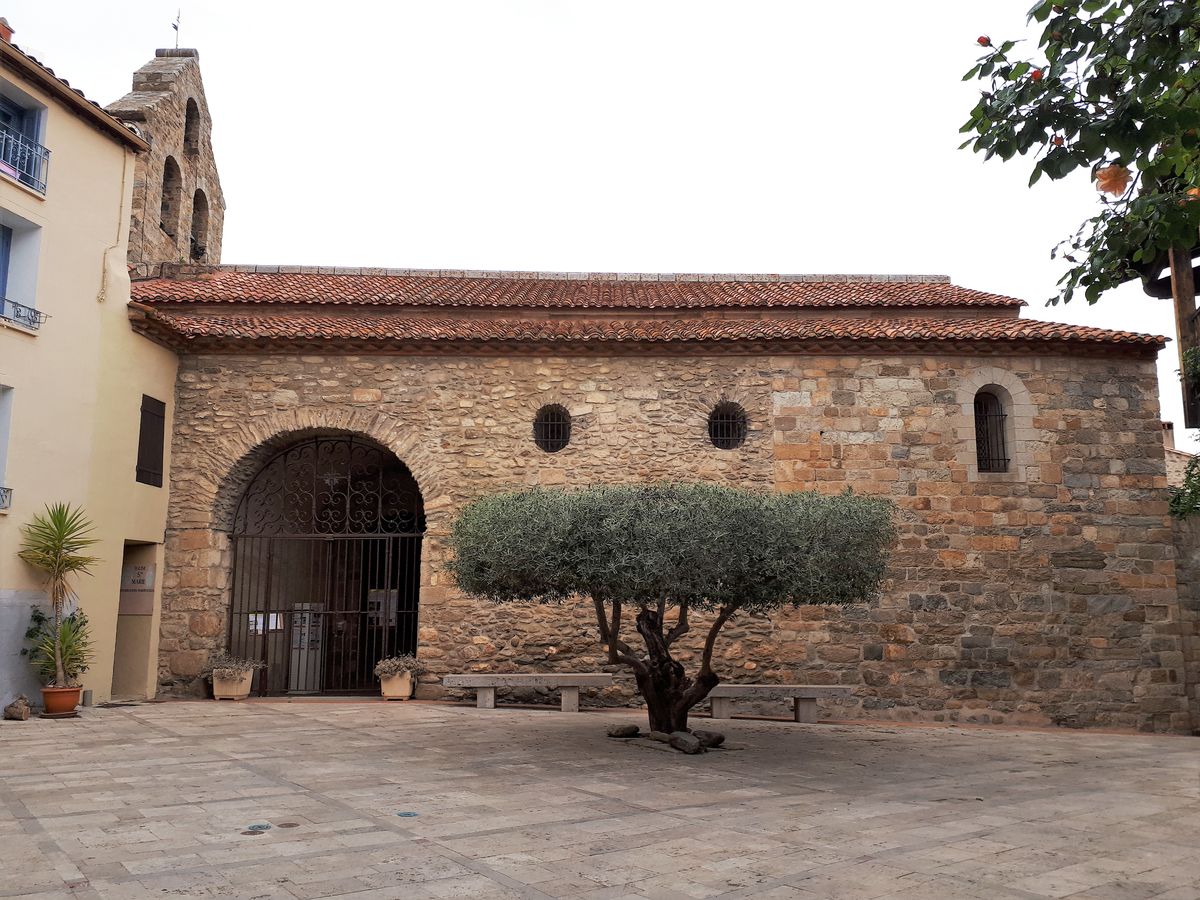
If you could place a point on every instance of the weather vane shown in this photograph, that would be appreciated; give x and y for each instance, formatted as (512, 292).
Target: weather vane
(175, 25)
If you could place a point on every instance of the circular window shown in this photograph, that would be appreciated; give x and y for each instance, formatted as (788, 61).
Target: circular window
(727, 425)
(552, 428)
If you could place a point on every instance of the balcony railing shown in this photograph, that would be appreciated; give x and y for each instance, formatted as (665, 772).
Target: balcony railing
(21, 315)
(23, 158)
(5, 497)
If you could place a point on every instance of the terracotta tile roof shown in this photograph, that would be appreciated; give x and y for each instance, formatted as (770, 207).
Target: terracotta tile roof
(529, 290)
(380, 329)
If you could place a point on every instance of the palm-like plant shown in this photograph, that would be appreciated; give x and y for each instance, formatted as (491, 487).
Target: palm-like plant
(53, 542)
(74, 642)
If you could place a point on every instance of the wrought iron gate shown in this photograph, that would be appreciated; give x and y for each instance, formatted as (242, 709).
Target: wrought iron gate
(326, 566)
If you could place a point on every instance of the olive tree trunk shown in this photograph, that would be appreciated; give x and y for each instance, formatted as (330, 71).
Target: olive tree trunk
(670, 693)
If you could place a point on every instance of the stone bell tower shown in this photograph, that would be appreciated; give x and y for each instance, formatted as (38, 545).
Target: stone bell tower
(178, 207)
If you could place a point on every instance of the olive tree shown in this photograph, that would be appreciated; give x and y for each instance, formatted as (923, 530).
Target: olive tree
(661, 554)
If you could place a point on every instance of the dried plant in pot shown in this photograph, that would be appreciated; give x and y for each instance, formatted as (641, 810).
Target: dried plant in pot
(232, 676)
(52, 542)
(396, 676)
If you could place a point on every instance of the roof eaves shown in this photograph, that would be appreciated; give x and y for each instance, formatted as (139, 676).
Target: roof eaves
(12, 57)
(999, 335)
(181, 271)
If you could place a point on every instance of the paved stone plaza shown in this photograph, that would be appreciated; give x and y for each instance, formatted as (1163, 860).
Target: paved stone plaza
(152, 801)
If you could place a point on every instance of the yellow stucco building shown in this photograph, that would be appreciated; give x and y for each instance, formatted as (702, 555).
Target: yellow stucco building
(84, 401)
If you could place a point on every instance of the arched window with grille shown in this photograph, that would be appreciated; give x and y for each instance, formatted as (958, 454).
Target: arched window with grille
(991, 431)
(552, 427)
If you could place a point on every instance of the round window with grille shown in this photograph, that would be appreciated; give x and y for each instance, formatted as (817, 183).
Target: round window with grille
(552, 428)
(727, 425)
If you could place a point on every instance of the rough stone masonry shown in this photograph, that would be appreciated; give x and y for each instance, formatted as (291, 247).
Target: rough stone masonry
(1043, 595)
(178, 208)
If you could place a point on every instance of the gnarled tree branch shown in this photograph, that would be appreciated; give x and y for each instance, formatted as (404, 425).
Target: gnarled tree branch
(681, 626)
(711, 640)
(610, 634)
(602, 622)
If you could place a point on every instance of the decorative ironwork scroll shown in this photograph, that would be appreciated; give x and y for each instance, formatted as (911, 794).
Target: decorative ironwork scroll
(331, 486)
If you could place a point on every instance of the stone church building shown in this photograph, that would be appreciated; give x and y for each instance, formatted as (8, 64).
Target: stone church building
(328, 424)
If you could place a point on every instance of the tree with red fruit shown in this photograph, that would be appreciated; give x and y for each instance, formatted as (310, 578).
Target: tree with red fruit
(1115, 92)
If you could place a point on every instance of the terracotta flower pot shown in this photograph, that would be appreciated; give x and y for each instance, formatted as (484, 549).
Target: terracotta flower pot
(59, 700)
(235, 688)
(396, 687)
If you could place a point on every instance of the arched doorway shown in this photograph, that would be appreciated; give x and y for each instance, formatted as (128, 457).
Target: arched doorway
(326, 566)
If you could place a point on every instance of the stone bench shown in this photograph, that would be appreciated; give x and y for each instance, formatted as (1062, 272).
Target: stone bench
(804, 697)
(568, 683)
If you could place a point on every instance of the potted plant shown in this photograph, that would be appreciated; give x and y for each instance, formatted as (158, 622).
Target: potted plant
(395, 674)
(232, 676)
(74, 642)
(53, 543)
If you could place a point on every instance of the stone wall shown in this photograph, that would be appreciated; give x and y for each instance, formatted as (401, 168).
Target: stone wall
(1043, 594)
(1177, 462)
(1046, 594)
(177, 191)
(1187, 572)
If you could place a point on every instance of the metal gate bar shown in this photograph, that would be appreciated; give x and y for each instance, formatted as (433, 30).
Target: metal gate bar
(319, 611)
(326, 573)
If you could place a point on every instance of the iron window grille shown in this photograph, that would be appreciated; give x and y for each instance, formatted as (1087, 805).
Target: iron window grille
(727, 425)
(991, 441)
(6, 497)
(25, 316)
(552, 428)
(23, 158)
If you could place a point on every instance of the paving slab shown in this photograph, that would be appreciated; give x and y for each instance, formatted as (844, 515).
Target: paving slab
(368, 799)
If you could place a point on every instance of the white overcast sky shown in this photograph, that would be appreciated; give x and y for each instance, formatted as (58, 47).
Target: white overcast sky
(605, 136)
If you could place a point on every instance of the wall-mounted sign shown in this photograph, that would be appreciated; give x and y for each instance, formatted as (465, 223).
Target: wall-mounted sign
(137, 589)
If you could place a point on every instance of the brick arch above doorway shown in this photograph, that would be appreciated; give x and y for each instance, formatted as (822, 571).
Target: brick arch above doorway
(207, 494)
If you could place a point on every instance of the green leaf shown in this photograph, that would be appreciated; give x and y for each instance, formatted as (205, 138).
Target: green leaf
(1122, 85)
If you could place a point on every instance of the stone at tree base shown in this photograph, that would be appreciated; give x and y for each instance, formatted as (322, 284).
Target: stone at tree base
(685, 742)
(661, 736)
(18, 710)
(623, 731)
(709, 738)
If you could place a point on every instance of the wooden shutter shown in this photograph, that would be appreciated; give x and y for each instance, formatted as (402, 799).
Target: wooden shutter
(150, 441)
